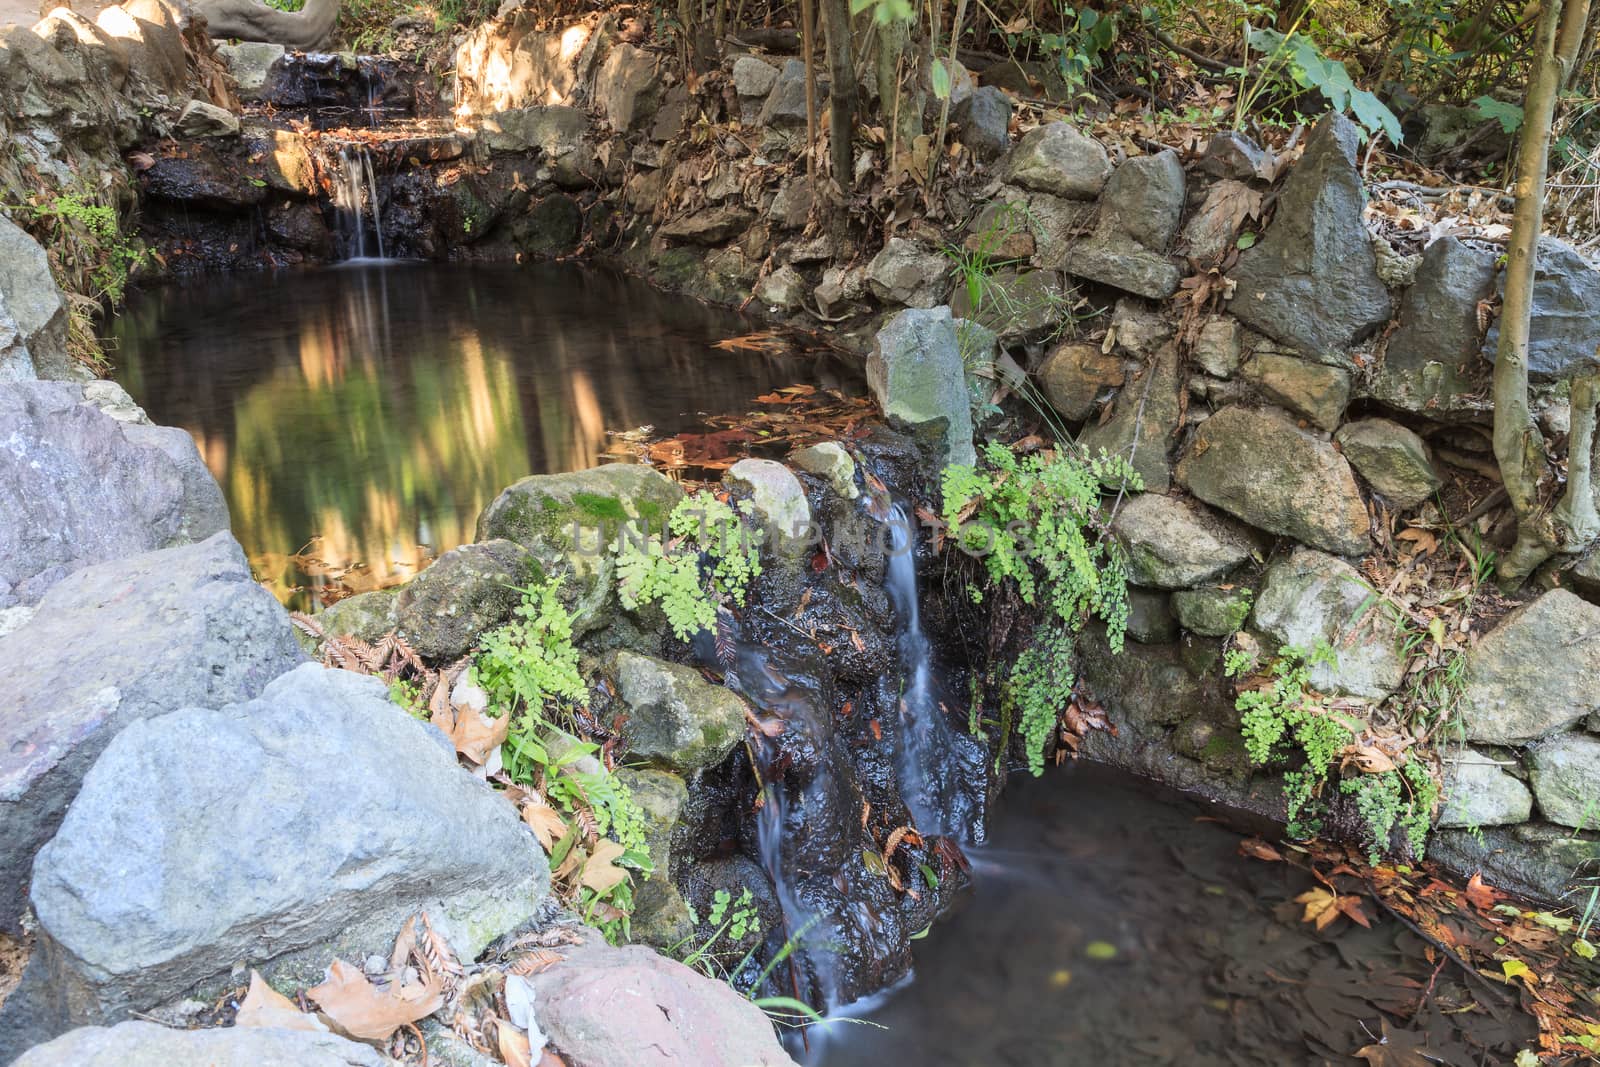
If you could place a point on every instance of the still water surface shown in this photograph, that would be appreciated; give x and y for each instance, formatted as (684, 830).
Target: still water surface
(1114, 927)
(377, 409)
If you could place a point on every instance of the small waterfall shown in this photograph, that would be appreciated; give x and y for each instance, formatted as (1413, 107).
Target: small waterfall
(355, 195)
(923, 757)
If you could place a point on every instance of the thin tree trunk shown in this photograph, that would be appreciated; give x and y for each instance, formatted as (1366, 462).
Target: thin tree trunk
(808, 50)
(1518, 446)
(1575, 516)
(841, 91)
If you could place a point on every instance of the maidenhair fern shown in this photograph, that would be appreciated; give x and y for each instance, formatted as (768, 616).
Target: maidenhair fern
(712, 556)
(531, 658)
(1037, 521)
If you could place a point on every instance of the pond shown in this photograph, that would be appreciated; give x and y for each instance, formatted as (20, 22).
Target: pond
(359, 418)
(1114, 926)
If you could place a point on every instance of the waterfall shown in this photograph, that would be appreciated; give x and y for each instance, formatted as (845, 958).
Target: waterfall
(355, 195)
(923, 757)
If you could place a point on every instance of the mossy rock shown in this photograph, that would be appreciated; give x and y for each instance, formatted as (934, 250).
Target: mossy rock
(660, 916)
(1213, 611)
(568, 521)
(676, 719)
(365, 616)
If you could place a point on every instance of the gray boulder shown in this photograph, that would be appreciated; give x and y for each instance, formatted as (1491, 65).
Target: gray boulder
(1535, 859)
(830, 460)
(1219, 347)
(568, 522)
(110, 645)
(554, 129)
(1212, 611)
(908, 273)
(1319, 393)
(142, 1044)
(1392, 459)
(1074, 376)
(1174, 544)
(753, 77)
(1233, 155)
(461, 595)
(78, 486)
(30, 299)
(1055, 158)
(786, 102)
(252, 64)
(1260, 467)
(1565, 332)
(776, 495)
(676, 718)
(984, 118)
(201, 118)
(1015, 304)
(1311, 597)
(660, 916)
(1312, 280)
(1429, 362)
(307, 823)
(1145, 420)
(1479, 791)
(674, 1017)
(1138, 218)
(1565, 772)
(1150, 618)
(627, 87)
(916, 374)
(708, 226)
(1536, 673)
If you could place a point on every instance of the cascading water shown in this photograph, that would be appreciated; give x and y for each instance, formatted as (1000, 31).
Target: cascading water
(926, 741)
(356, 197)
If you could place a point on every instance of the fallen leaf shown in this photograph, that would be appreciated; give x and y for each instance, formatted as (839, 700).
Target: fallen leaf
(1397, 1048)
(1480, 894)
(514, 1047)
(266, 1008)
(546, 823)
(476, 735)
(601, 873)
(360, 1010)
(1515, 968)
(1256, 848)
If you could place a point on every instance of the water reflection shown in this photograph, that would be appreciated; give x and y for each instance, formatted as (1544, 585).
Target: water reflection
(379, 409)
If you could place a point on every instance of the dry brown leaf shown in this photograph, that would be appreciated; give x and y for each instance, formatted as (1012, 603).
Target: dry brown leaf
(601, 873)
(358, 1008)
(266, 1008)
(545, 822)
(514, 1046)
(475, 734)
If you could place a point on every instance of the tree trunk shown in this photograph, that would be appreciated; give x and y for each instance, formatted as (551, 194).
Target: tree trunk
(841, 91)
(808, 52)
(1518, 446)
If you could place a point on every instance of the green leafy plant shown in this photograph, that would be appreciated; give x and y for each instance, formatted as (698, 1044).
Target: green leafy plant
(1037, 522)
(711, 557)
(528, 669)
(1299, 57)
(1284, 718)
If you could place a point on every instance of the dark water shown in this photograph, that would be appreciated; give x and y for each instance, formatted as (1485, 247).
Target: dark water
(377, 409)
(1112, 927)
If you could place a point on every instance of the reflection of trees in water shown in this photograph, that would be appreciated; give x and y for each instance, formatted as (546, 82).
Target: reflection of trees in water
(380, 409)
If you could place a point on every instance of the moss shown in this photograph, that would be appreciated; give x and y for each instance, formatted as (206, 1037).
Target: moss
(601, 508)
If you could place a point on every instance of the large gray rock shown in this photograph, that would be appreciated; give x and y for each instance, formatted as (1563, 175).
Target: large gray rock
(1138, 218)
(1536, 673)
(29, 297)
(675, 717)
(628, 87)
(776, 495)
(1430, 358)
(1565, 771)
(252, 64)
(1212, 611)
(553, 129)
(461, 595)
(1174, 544)
(1565, 332)
(1145, 420)
(1319, 393)
(201, 118)
(78, 487)
(1055, 158)
(568, 522)
(1480, 791)
(1311, 597)
(916, 374)
(312, 820)
(631, 1007)
(1015, 304)
(1392, 459)
(1312, 281)
(908, 273)
(1535, 859)
(142, 1044)
(660, 916)
(1260, 467)
(984, 117)
(786, 102)
(753, 77)
(110, 645)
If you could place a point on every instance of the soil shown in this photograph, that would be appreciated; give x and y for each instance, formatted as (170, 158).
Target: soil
(14, 953)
